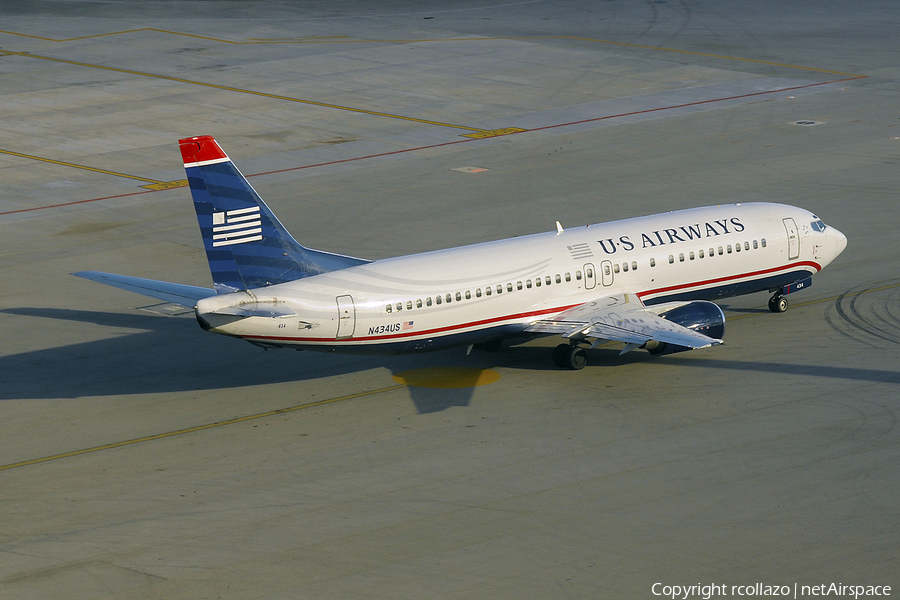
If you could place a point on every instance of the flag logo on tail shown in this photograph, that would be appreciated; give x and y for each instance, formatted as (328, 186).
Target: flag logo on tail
(236, 226)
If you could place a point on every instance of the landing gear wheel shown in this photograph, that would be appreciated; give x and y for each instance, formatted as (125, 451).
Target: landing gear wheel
(778, 303)
(576, 358)
(561, 356)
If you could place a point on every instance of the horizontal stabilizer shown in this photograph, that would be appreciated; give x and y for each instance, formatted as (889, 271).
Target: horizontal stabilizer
(256, 309)
(179, 293)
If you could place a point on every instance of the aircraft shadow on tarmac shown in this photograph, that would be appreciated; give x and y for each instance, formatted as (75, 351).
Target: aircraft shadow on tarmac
(161, 354)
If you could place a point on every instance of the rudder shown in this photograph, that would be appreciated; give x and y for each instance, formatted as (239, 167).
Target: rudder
(246, 245)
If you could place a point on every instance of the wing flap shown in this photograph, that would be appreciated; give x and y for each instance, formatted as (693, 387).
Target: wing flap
(620, 318)
(178, 293)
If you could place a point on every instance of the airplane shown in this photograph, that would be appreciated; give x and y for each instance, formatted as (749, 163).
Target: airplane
(648, 282)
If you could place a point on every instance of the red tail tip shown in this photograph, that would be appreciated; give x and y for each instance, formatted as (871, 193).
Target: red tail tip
(200, 149)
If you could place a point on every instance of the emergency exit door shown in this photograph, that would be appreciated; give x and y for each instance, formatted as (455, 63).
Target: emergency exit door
(793, 238)
(346, 317)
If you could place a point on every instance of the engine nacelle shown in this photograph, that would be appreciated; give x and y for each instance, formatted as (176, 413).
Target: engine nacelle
(700, 316)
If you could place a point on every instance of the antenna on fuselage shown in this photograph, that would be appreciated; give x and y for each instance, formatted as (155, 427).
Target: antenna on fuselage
(559, 228)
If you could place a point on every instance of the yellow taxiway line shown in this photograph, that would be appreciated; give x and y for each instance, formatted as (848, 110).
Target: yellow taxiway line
(177, 432)
(240, 90)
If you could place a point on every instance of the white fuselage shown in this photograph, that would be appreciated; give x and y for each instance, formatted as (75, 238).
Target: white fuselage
(496, 289)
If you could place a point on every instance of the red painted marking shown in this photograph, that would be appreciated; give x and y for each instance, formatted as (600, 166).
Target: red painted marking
(683, 286)
(21, 210)
(200, 149)
(193, 143)
(699, 102)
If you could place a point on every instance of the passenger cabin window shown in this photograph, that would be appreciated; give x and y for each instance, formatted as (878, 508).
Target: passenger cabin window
(681, 257)
(578, 275)
(388, 308)
(409, 305)
(418, 303)
(634, 265)
(499, 289)
(518, 285)
(437, 299)
(508, 287)
(537, 282)
(671, 259)
(399, 306)
(700, 253)
(737, 247)
(691, 255)
(728, 248)
(616, 268)
(755, 245)
(746, 245)
(458, 296)
(558, 279)
(428, 301)
(449, 298)
(478, 293)
(763, 242)
(468, 295)
(487, 291)
(720, 250)
(548, 280)
(568, 277)
(652, 262)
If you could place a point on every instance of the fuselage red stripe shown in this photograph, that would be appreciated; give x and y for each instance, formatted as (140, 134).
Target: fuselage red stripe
(519, 316)
(753, 274)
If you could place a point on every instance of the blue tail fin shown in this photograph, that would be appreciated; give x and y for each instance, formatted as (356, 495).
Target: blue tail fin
(247, 247)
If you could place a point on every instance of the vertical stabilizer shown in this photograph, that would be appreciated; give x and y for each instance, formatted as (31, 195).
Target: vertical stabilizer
(247, 247)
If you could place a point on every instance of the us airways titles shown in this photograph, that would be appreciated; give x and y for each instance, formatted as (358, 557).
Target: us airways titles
(685, 233)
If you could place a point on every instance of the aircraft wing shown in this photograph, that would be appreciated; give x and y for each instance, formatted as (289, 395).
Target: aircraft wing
(185, 295)
(620, 318)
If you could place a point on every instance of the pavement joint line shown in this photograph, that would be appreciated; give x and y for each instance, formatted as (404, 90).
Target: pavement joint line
(342, 40)
(243, 91)
(177, 432)
(509, 131)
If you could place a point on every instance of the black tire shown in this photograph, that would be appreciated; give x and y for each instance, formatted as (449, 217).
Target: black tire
(778, 304)
(560, 356)
(576, 359)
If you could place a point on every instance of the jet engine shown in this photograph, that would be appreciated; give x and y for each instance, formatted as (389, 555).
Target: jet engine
(700, 316)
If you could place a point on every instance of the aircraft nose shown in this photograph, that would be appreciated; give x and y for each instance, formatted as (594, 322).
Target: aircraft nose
(840, 242)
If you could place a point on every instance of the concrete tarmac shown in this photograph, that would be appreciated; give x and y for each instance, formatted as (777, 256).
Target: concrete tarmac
(143, 458)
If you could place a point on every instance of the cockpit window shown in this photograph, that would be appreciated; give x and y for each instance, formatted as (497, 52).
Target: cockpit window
(818, 225)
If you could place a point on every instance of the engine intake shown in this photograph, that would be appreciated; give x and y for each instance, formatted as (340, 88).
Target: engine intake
(700, 316)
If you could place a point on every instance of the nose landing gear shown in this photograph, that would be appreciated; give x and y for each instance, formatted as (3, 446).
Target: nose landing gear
(778, 303)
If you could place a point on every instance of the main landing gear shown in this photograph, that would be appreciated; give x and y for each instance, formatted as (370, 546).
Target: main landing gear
(568, 356)
(778, 303)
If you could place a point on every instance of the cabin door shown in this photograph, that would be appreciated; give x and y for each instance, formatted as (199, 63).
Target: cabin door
(346, 317)
(793, 238)
(606, 273)
(590, 278)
